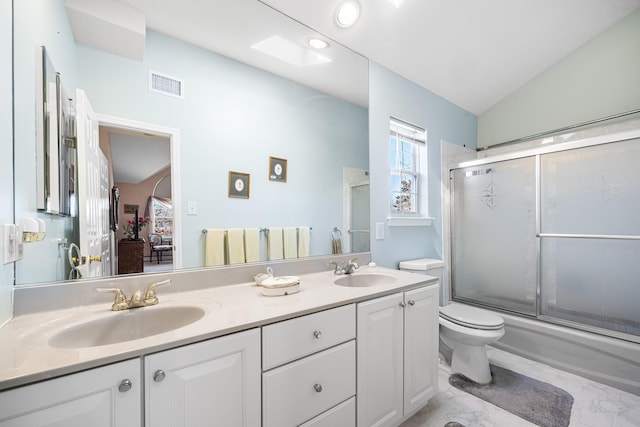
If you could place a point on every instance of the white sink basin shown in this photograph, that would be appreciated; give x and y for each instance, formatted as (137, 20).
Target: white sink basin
(366, 279)
(126, 326)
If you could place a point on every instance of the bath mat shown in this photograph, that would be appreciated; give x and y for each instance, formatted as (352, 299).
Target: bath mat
(535, 401)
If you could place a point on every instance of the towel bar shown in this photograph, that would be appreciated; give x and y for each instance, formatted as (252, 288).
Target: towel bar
(262, 230)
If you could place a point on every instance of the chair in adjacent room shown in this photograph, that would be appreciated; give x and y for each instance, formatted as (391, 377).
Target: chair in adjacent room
(156, 246)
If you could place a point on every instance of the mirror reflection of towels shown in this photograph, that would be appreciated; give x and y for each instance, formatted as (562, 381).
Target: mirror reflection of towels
(274, 243)
(214, 247)
(235, 246)
(290, 242)
(252, 244)
(304, 240)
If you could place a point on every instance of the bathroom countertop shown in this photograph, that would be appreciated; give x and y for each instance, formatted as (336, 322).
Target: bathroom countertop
(27, 356)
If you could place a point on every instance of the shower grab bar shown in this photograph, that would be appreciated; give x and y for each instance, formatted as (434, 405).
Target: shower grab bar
(590, 236)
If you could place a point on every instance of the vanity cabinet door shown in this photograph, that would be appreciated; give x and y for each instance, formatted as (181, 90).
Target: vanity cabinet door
(380, 361)
(109, 396)
(420, 347)
(215, 382)
(397, 355)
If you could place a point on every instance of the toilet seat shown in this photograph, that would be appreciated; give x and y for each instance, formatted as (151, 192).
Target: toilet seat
(471, 317)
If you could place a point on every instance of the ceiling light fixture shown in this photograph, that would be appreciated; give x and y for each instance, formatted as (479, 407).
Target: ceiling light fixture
(396, 3)
(317, 43)
(347, 13)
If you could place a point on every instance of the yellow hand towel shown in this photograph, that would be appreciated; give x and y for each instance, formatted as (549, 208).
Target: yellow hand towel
(290, 235)
(304, 239)
(235, 246)
(274, 243)
(214, 247)
(252, 244)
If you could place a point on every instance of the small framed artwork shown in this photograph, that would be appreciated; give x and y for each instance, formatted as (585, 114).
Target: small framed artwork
(277, 169)
(239, 185)
(130, 209)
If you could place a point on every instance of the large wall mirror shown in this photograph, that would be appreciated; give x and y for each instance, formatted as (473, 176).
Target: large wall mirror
(189, 100)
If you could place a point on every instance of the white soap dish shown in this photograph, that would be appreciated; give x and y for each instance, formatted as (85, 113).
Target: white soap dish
(281, 285)
(281, 291)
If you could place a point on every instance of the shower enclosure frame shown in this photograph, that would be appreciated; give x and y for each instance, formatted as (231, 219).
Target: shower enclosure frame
(537, 154)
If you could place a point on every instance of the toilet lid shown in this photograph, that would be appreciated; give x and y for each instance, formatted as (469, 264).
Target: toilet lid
(471, 317)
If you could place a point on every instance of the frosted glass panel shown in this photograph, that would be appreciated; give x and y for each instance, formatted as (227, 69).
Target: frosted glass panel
(595, 282)
(494, 241)
(593, 190)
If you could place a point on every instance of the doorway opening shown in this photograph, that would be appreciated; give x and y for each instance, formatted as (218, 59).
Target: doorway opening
(145, 173)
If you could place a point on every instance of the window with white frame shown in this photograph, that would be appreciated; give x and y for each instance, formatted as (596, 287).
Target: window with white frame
(407, 162)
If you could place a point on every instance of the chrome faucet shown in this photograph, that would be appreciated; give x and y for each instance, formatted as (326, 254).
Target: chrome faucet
(348, 268)
(137, 299)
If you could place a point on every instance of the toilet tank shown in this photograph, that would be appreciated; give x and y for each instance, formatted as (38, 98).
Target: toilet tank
(429, 267)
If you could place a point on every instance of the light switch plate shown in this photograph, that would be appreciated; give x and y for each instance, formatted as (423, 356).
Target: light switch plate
(192, 207)
(379, 230)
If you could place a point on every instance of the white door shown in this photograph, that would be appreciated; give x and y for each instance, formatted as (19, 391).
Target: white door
(93, 220)
(420, 347)
(215, 382)
(101, 397)
(380, 349)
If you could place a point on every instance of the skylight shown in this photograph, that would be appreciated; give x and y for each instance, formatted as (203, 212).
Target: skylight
(290, 52)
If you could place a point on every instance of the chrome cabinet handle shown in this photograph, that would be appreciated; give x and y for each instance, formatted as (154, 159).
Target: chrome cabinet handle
(317, 334)
(412, 302)
(402, 304)
(125, 386)
(159, 375)
(317, 388)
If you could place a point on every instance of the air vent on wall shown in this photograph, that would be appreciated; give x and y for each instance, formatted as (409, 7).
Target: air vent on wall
(165, 84)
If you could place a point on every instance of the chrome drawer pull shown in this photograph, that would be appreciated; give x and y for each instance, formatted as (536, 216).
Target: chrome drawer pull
(412, 302)
(317, 334)
(125, 386)
(402, 304)
(159, 375)
(317, 387)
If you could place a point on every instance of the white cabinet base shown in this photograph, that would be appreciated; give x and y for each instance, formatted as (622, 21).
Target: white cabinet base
(211, 382)
(89, 398)
(397, 356)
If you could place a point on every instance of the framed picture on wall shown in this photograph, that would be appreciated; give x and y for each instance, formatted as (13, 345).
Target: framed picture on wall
(277, 169)
(239, 185)
(130, 209)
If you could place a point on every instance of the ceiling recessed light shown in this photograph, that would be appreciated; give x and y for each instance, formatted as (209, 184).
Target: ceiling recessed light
(347, 13)
(396, 3)
(317, 43)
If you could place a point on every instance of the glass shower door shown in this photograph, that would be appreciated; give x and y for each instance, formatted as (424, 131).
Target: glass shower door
(494, 234)
(590, 236)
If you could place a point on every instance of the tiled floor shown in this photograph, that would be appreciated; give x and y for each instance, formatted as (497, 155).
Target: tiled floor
(595, 405)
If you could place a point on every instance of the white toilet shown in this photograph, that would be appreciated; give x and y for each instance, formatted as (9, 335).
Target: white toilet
(465, 331)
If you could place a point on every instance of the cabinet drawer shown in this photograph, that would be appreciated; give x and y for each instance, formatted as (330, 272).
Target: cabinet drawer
(297, 392)
(292, 339)
(343, 415)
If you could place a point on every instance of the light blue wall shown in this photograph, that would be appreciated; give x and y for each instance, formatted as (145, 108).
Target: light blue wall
(393, 96)
(599, 79)
(233, 117)
(6, 147)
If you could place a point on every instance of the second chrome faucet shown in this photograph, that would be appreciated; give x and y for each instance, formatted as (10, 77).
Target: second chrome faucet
(347, 268)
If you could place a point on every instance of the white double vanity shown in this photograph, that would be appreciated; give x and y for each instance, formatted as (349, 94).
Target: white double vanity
(361, 353)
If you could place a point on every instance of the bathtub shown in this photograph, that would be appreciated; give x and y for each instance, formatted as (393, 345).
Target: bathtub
(607, 360)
